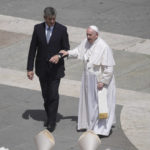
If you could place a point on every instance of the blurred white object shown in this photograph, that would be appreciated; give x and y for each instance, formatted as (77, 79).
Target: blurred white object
(44, 140)
(89, 141)
(3, 148)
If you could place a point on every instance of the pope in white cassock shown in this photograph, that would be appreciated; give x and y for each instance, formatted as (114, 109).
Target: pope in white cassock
(98, 72)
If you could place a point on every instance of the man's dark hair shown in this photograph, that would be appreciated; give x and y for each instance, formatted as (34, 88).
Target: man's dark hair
(49, 12)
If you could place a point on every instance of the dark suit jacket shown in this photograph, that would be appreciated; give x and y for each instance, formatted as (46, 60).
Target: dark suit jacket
(42, 51)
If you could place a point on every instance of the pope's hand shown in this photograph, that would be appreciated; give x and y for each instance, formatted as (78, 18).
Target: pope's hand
(100, 85)
(65, 53)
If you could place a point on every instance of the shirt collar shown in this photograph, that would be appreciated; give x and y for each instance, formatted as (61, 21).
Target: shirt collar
(47, 27)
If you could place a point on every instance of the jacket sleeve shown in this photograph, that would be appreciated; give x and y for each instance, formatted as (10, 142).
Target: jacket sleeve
(32, 51)
(65, 40)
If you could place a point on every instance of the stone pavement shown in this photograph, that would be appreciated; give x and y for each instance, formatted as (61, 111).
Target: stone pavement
(22, 117)
(21, 110)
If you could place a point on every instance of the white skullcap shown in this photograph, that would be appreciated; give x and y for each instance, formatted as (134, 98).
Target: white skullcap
(95, 28)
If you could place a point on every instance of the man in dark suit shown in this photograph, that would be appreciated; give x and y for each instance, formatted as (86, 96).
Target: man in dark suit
(48, 39)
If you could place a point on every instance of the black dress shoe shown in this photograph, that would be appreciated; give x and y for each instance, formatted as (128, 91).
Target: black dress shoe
(51, 127)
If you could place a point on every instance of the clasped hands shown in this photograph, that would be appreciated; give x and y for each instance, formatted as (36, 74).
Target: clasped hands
(55, 59)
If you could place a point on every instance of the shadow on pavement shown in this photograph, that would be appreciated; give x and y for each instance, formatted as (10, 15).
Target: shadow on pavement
(40, 115)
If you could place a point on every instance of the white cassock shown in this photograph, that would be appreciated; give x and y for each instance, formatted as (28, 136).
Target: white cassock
(98, 67)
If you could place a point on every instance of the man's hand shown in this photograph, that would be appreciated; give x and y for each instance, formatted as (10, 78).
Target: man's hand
(65, 53)
(30, 75)
(54, 59)
(100, 85)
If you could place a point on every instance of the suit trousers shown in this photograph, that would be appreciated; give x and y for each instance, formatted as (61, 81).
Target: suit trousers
(50, 88)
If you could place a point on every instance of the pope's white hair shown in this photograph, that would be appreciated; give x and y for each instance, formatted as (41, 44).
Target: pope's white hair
(95, 28)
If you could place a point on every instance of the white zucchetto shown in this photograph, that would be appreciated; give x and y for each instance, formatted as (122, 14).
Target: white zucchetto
(95, 28)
